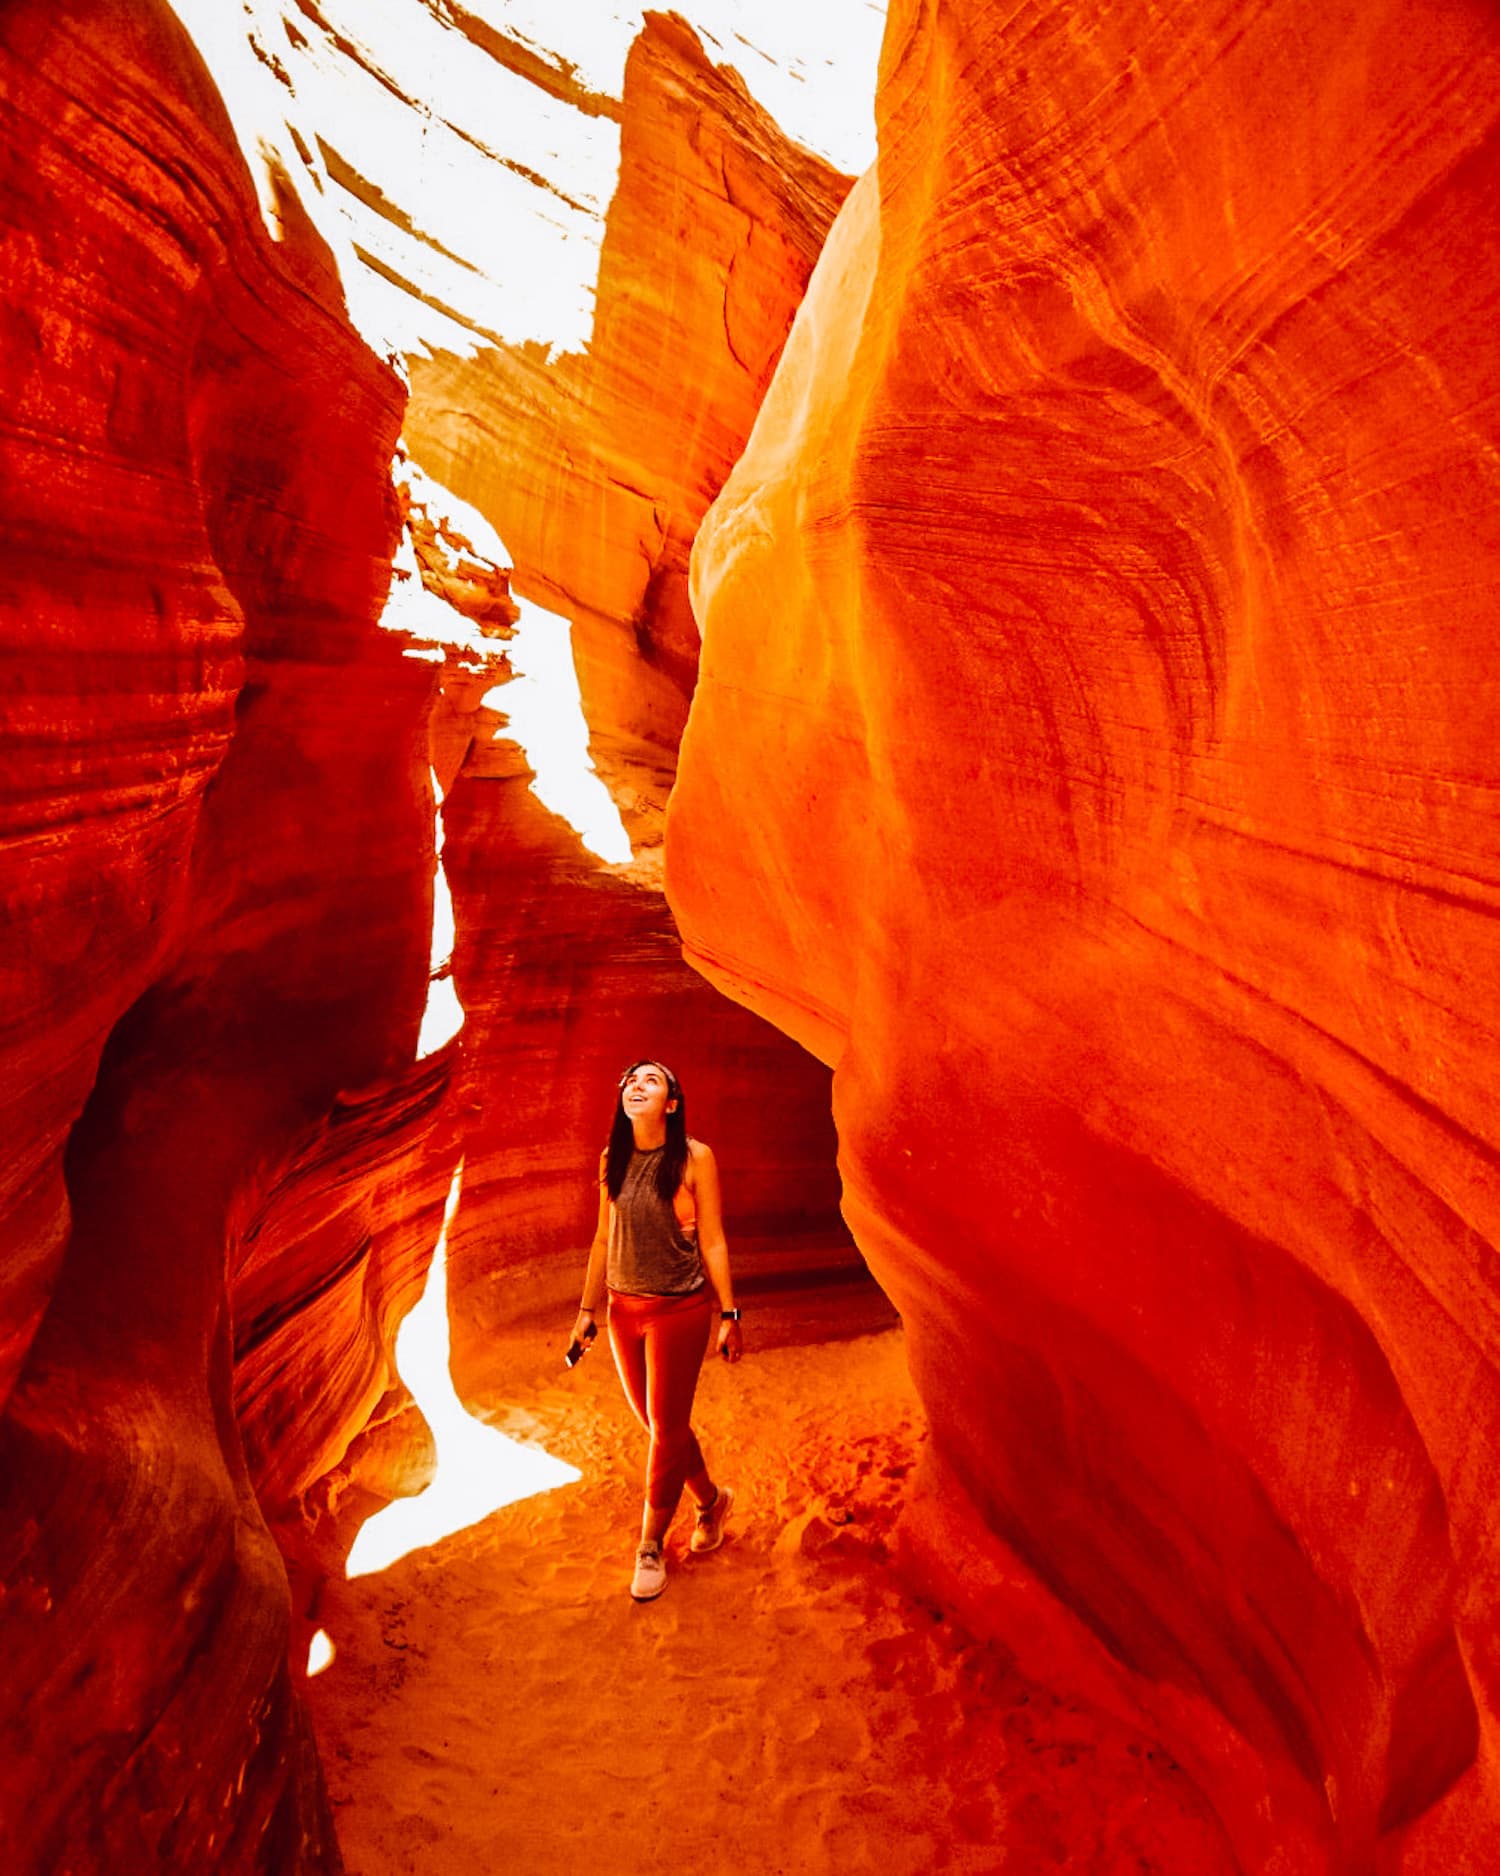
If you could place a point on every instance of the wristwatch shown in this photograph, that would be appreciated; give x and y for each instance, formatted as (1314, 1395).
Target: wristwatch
(729, 1315)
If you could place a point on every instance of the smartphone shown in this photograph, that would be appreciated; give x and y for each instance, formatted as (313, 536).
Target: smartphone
(577, 1350)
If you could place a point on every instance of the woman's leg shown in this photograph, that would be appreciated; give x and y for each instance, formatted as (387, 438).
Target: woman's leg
(659, 1343)
(627, 1340)
(676, 1339)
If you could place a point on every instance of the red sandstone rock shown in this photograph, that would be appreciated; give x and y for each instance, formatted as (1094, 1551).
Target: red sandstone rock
(596, 469)
(223, 1169)
(1110, 795)
(452, 568)
(568, 971)
(219, 853)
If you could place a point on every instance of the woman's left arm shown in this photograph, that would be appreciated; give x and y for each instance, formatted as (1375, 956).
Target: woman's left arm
(703, 1181)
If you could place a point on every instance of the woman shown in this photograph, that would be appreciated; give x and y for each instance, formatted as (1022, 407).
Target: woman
(660, 1250)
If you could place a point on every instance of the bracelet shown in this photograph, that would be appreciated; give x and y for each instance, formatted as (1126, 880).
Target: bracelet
(729, 1315)
(588, 1309)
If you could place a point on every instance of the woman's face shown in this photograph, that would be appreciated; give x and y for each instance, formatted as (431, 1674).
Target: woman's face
(644, 1094)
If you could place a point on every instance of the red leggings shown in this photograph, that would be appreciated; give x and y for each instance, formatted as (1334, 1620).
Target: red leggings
(659, 1344)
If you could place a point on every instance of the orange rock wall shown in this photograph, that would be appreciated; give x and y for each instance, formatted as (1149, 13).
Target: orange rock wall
(218, 847)
(597, 468)
(222, 1170)
(567, 975)
(1094, 755)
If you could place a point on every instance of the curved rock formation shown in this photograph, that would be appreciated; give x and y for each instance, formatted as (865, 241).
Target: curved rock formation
(567, 972)
(220, 800)
(228, 1134)
(596, 468)
(1097, 698)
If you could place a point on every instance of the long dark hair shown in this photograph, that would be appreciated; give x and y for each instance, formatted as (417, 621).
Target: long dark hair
(673, 1162)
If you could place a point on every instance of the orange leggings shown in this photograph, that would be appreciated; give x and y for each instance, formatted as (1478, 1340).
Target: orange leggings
(659, 1344)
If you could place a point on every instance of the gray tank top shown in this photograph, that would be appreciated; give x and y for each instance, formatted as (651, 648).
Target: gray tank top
(649, 1252)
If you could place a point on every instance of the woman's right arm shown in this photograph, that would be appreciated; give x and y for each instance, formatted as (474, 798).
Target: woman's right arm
(592, 1303)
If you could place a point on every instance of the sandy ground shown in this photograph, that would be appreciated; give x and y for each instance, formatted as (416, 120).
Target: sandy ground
(499, 1704)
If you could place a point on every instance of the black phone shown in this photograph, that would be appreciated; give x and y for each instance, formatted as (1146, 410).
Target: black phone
(576, 1349)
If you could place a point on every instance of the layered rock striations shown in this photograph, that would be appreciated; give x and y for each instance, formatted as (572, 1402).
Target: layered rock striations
(597, 467)
(229, 1128)
(219, 858)
(569, 971)
(1111, 797)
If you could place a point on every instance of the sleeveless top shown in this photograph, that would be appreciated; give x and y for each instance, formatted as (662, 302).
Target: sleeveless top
(651, 1251)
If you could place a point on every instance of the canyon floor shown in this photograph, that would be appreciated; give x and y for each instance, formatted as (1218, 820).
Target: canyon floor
(498, 1703)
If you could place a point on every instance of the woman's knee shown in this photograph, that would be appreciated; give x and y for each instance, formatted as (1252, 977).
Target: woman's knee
(671, 1443)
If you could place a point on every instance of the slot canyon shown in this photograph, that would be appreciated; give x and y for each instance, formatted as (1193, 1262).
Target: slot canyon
(933, 566)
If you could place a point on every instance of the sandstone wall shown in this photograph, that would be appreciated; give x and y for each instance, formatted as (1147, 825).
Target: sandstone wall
(222, 1167)
(568, 972)
(218, 860)
(1098, 704)
(596, 468)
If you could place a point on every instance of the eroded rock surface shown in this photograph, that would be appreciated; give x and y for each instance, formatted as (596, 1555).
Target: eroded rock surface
(228, 1137)
(1112, 800)
(568, 972)
(597, 467)
(219, 826)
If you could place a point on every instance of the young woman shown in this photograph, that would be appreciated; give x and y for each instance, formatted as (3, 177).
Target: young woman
(659, 1250)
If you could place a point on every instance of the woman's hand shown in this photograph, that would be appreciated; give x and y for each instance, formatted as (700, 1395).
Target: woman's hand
(584, 1328)
(731, 1343)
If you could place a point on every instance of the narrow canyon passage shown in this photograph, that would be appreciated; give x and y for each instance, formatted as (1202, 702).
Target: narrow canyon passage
(497, 1702)
(998, 505)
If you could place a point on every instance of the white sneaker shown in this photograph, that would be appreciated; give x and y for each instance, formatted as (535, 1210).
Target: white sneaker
(708, 1532)
(650, 1577)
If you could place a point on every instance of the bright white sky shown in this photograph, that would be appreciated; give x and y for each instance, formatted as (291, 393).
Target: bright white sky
(523, 256)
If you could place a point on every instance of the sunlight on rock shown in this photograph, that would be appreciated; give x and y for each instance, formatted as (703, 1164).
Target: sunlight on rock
(411, 611)
(478, 1469)
(812, 67)
(443, 1016)
(546, 718)
(440, 959)
(448, 232)
(448, 513)
(256, 103)
(540, 699)
(320, 1653)
(373, 105)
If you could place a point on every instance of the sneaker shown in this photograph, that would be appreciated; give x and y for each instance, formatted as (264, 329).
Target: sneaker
(650, 1577)
(708, 1532)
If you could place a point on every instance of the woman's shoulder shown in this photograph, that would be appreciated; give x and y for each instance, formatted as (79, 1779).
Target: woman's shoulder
(700, 1155)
